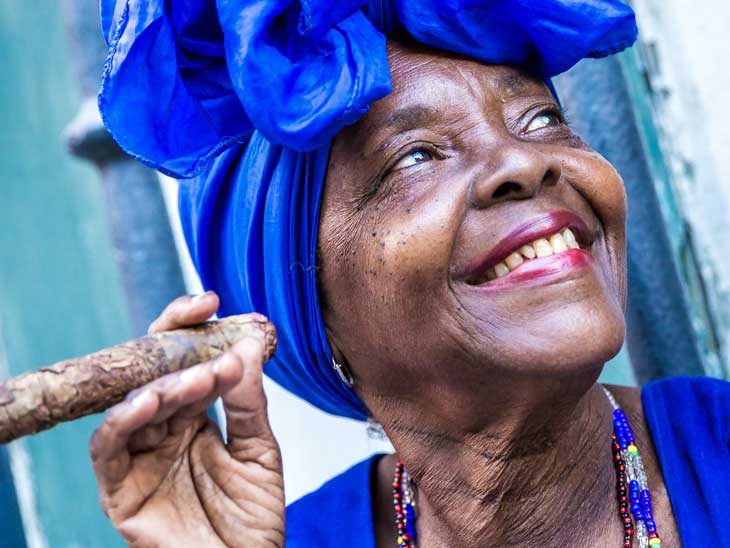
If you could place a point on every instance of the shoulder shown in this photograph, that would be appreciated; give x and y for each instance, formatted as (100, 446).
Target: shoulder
(696, 403)
(338, 513)
(689, 422)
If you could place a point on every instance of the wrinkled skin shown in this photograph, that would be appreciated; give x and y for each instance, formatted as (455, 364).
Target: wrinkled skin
(165, 476)
(488, 393)
(413, 236)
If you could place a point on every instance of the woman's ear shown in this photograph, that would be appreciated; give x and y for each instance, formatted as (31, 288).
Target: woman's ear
(339, 362)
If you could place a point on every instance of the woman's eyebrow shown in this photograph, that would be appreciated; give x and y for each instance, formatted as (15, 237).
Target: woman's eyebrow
(410, 117)
(512, 83)
(413, 116)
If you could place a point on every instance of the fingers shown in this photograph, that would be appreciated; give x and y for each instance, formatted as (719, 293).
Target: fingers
(184, 397)
(147, 438)
(245, 402)
(166, 413)
(140, 422)
(108, 447)
(184, 311)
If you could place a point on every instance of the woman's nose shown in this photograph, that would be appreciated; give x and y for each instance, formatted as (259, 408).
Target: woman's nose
(517, 174)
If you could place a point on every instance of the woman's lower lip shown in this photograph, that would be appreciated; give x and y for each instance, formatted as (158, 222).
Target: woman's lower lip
(544, 269)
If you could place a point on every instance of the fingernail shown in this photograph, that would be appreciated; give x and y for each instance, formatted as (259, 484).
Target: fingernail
(141, 399)
(188, 375)
(197, 298)
(244, 345)
(218, 363)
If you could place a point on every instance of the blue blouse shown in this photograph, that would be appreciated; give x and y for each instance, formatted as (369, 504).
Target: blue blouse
(689, 421)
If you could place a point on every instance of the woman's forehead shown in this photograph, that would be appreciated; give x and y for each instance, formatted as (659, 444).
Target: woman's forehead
(430, 85)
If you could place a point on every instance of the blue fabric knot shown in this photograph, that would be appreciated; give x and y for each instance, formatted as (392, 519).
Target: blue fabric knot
(243, 97)
(185, 79)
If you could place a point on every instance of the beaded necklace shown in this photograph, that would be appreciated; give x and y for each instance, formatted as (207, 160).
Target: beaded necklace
(634, 499)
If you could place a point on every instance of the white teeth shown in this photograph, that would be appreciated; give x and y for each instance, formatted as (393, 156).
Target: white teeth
(528, 252)
(558, 243)
(569, 238)
(501, 270)
(542, 247)
(514, 260)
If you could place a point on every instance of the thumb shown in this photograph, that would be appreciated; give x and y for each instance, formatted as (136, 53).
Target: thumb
(247, 420)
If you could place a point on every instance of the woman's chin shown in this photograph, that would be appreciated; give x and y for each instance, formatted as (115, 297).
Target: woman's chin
(561, 338)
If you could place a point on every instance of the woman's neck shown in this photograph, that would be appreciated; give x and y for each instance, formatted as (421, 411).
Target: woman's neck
(542, 476)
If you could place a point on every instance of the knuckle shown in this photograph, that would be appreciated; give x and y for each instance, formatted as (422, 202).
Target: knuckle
(270, 456)
(250, 350)
(133, 394)
(159, 386)
(94, 449)
(152, 328)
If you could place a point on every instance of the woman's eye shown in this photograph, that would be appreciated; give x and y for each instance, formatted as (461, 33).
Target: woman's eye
(418, 156)
(546, 119)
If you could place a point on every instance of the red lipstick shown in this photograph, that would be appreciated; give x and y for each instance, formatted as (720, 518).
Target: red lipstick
(537, 228)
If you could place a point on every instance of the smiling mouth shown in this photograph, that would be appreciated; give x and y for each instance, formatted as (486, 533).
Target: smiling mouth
(554, 244)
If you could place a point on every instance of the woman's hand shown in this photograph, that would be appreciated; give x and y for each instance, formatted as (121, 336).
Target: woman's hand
(167, 478)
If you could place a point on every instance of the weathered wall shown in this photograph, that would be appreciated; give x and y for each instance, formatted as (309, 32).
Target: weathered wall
(685, 47)
(59, 290)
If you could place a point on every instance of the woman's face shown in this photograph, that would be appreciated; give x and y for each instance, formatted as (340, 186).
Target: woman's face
(446, 270)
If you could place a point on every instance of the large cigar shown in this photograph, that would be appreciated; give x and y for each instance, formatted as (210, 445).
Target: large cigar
(77, 387)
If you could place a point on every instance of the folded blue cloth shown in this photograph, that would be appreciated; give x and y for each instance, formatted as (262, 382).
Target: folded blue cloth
(246, 95)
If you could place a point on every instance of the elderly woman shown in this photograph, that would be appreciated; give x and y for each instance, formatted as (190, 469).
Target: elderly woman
(439, 252)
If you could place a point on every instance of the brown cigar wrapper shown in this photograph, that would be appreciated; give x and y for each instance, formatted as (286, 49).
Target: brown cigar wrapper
(74, 388)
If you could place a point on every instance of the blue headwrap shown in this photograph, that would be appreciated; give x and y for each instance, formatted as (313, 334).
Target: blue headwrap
(242, 99)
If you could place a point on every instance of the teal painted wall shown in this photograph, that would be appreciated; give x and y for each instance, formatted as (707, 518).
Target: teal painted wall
(59, 292)
(619, 370)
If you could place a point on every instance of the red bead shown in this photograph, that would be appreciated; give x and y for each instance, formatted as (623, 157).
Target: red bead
(395, 485)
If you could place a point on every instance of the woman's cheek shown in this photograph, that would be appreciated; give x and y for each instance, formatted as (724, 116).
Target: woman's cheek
(601, 185)
(413, 246)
